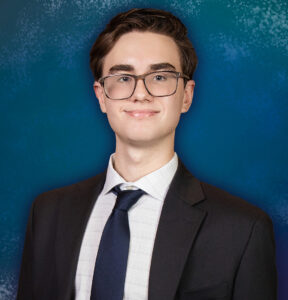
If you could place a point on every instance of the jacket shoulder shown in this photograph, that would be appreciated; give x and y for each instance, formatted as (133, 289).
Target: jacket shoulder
(70, 191)
(226, 204)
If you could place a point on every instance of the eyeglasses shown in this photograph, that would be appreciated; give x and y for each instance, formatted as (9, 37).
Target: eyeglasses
(157, 84)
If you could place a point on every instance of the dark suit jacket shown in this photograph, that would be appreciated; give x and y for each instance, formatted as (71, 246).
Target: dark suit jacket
(209, 244)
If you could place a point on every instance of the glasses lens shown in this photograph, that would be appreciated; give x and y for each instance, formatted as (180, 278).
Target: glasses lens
(161, 83)
(119, 86)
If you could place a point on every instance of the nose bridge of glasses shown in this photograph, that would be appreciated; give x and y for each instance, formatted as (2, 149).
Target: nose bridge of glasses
(143, 86)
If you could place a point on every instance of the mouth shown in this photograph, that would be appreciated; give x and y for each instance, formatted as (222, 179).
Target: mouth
(141, 113)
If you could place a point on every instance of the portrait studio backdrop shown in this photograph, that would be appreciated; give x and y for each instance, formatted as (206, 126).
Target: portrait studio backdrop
(53, 133)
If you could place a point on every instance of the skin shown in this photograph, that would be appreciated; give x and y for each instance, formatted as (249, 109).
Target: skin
(144, 125)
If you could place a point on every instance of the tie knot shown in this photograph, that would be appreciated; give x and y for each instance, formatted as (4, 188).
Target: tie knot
(126, 198)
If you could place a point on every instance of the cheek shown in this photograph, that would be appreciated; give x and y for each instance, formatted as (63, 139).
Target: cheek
(171, 116)
(173, 107)
(112, 117)
(115, 115)
(111, 113)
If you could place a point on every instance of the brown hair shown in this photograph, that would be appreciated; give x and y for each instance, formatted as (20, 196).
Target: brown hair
(145, 19)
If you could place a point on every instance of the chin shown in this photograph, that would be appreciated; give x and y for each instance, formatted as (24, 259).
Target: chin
(141, 141)
(138, 139)
(145, 139)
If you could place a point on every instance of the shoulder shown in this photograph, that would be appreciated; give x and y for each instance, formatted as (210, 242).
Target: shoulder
(232, 212)
(221, 206)
(211, 198)
(225, 201)
(77, 190)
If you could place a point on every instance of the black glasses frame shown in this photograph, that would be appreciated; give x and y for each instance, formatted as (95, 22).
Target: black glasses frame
(142, 77)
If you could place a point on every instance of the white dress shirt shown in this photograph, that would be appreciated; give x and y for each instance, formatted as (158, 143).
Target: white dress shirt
(143, 222)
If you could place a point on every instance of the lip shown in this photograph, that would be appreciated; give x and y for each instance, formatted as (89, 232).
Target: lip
(141, 113)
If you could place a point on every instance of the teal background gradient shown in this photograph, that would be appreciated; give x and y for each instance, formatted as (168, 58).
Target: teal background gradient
(53, 133)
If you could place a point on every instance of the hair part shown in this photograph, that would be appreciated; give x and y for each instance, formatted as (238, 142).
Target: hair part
(142, 20)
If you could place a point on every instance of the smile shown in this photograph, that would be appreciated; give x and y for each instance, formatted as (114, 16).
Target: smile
(140, 114)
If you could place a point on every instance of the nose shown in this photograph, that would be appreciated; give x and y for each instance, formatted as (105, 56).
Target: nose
(140, 92)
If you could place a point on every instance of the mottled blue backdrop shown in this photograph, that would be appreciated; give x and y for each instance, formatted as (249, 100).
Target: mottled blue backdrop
(53, 133)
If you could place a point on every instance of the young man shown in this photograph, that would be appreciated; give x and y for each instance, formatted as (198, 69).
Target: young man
(146, 229)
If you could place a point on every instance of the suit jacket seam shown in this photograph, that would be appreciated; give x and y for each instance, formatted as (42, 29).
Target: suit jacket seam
(256, 221)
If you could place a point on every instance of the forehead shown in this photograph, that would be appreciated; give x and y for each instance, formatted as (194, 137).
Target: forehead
(141, 50)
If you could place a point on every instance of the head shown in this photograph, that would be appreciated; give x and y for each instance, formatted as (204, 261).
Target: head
(134, 45)
(143, 20)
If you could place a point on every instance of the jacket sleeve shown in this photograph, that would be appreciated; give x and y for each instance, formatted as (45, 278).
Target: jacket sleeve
(25, 283)
(256, 278)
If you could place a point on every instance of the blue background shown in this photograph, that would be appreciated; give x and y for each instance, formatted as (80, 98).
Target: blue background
(53, 133)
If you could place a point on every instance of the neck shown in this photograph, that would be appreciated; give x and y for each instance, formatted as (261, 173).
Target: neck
(133, 162)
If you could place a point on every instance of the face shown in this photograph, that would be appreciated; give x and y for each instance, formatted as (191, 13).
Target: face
(143, 119)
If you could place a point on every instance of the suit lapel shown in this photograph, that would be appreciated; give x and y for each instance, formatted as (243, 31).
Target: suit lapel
(177, 229)
(74, 212)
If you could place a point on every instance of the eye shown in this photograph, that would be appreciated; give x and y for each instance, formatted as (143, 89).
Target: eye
(124, 78)
(160, 77)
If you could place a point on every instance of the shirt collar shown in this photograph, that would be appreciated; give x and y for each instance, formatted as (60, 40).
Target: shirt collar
(155, 184)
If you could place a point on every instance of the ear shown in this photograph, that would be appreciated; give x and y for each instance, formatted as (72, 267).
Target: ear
(99, 92)
(188, 95)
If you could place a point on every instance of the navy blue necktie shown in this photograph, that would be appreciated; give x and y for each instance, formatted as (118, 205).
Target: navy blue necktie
(111, 262)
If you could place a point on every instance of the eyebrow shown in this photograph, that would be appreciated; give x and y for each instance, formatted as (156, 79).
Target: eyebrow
(130, 68)
(162, 66)
(116, 68)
